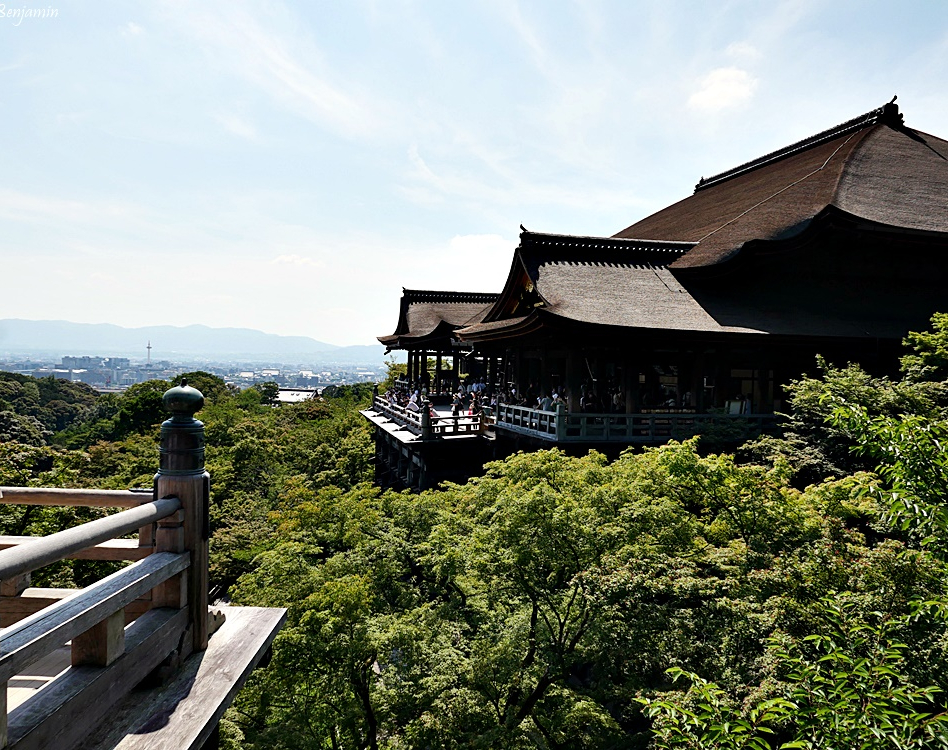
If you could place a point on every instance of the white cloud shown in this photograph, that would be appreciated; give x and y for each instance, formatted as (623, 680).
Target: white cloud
(269, 51)
(132, 29)
(508, 185)
(296, 260)
(237, 125)
(30, 208)
(723, 88)
(742, 51)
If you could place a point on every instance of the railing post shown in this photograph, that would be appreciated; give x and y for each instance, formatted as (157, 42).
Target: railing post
(181, 474)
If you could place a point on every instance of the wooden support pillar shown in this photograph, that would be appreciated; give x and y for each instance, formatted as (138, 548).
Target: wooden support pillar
(630, 382)
(573, 380)
(101, 644)
(545, 385)
(181, 474)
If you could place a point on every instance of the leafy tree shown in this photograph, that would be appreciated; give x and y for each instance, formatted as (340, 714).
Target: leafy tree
(16, 428)
(268, 392)
(393, 371)
(844, 687)
(928, 360)
(141, 407)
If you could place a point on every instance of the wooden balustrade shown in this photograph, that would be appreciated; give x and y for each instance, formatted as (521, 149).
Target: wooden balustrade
(652, 427)
(152, 613)
(422, 424)
(25, 558)
(93, 619)
(646, 427)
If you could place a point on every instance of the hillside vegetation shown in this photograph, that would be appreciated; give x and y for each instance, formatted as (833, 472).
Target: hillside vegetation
(792, 595)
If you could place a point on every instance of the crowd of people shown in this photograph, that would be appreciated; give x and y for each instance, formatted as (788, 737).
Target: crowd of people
(476, 396)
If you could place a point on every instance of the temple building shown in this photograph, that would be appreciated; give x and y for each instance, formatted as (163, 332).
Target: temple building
(835, 245)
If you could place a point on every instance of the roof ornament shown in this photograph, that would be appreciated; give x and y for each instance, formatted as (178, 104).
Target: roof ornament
(889, 113)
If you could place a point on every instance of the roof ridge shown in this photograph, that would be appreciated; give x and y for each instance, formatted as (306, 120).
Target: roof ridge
(573, 240)
(887, 114)
(432, 295)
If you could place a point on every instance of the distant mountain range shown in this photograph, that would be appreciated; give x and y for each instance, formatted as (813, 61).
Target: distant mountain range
(59, 337)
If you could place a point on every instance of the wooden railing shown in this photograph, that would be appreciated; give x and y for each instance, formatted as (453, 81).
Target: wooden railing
(151, 614)
(653, 427)
(422, 424)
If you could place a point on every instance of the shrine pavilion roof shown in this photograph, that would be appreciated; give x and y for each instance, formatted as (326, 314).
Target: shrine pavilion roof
(425, 315)
(871, 176)
(872, 167)
(604, 281)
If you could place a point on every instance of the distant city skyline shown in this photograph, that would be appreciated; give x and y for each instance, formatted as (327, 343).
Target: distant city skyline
(195, 342)
(288, 167)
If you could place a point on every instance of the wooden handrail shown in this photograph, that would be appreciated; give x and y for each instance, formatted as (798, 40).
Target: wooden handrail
(37, 635)
(113, 549)
(49, 549)
(86, 498)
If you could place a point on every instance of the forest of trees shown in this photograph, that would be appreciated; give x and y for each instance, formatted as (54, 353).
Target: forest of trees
(791, 594)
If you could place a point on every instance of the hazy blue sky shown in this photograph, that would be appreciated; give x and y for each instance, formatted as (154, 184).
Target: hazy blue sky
(291, 166)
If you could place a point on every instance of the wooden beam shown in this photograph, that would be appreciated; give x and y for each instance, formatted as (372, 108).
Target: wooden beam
(112, 549)
(15, 608)
(48, 549)
(38, 634)
(60, 715)
(86, 498)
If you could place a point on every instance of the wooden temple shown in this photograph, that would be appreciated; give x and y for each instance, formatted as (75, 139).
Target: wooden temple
(836, 245)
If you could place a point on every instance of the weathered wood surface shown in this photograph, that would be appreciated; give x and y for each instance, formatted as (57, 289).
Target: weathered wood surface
(112, 549)
(85, 498)
(63, 714)
(183, 713)
(37, 635)
(48, 549)
(15, 608)
(101, 644)
(193, 491)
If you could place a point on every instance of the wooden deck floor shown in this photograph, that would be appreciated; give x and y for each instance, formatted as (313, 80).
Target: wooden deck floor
(182, 713)
(38, 676)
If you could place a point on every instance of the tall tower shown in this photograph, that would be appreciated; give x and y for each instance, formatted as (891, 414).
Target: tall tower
(149, 354)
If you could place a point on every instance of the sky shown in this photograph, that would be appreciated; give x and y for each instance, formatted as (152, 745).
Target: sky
(290, 167)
